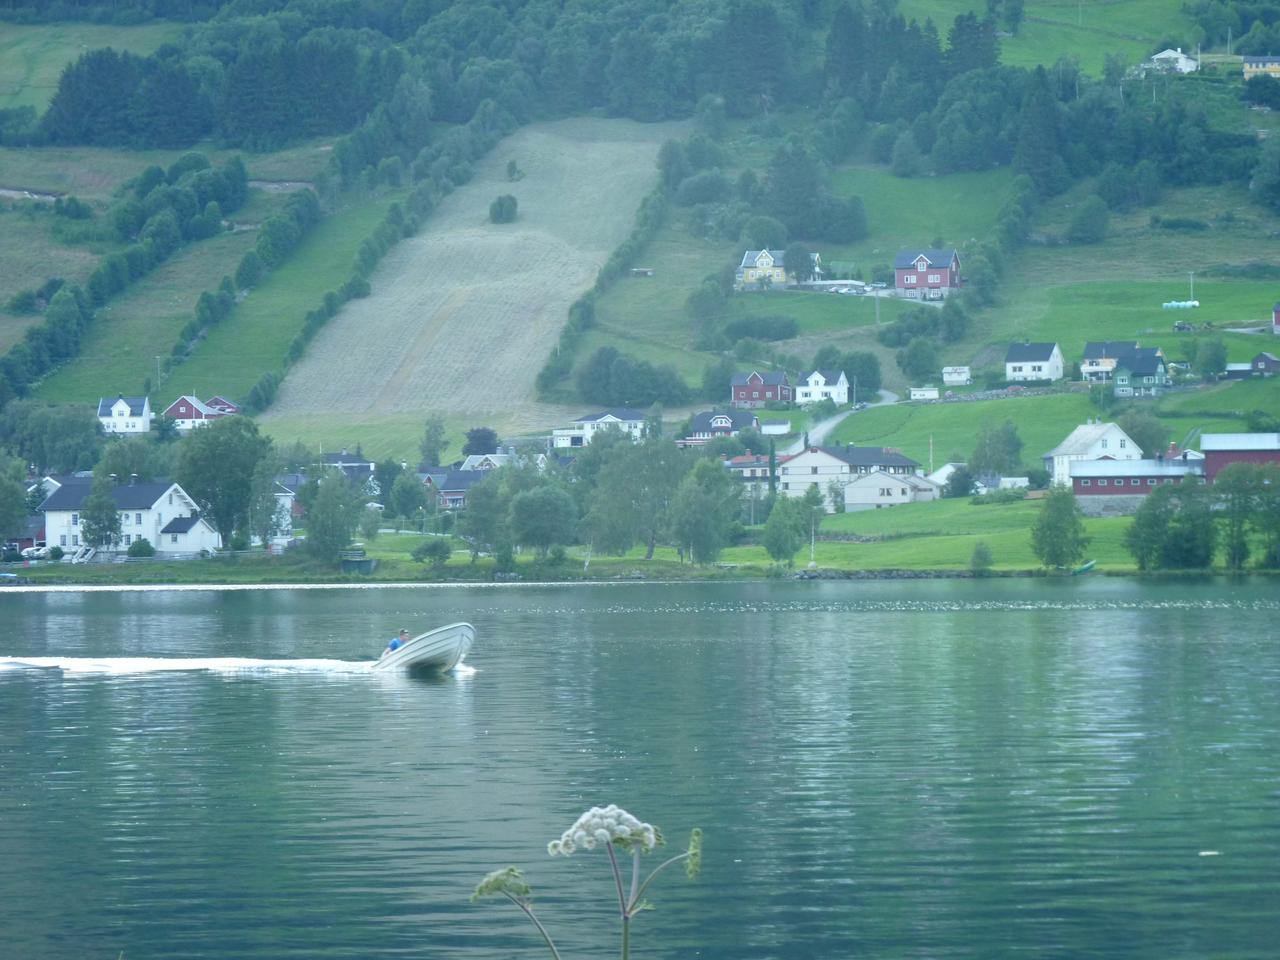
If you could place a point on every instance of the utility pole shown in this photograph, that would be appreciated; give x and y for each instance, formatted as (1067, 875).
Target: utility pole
(813, 530)
(1192, 275)
(158, 359)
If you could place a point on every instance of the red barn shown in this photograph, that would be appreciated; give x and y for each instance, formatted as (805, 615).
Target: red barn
(1118, 478)
(755, 389)
(926, 274)
(1223, 449)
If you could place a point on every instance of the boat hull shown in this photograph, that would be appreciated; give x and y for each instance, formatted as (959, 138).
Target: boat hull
(440, 650)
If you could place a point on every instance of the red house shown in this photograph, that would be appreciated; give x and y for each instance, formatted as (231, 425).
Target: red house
(926, 274)
(1223, 449)
(755, 389)
(187, 412)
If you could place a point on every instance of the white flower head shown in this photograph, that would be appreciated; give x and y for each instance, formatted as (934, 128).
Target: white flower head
(600, 826)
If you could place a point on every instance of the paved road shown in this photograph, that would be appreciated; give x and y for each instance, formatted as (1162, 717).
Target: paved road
(819, 432)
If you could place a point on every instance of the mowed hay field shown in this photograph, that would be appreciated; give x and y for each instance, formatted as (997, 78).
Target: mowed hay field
(462, 315)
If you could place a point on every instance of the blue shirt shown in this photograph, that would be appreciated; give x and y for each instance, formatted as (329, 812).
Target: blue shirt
(394, 644)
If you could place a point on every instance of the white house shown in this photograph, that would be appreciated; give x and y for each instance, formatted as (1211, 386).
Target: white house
(125, 415)
(823, 385)
(1172, 61)
(924, 393)
(1033, 361)
(822, 466)
(1094, 440)
(775, 428)
(956, 376)
(871, 491)
(160, 512)
(630, 422)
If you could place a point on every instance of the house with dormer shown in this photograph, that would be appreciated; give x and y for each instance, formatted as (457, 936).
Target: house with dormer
(926, 274)
(755, 389)
(160, 512)
(127, 415)
(822, 385)
(714, 424)
(761, 269)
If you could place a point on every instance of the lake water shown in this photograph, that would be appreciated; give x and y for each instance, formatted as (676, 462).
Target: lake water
(939, 769)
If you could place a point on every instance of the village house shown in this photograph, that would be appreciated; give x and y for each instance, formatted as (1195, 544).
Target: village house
(822, 466)
(1119, 486)
(1223, 449)
(1101, 356)
(188, 412)
(956, 376)
(629, 421)
(1256, 66)
(160, 512)
(712, 424)
(1033, 361)
(1262, 365)
(767, 268)
(355, 467)
(1094, 440)
(926, 274)
(822, 385)
(755, 389)
(1171, 61)
(753, 470)
(451, 487)
(775, 428)
(1141, 374)
(125, 415)
(872, 491)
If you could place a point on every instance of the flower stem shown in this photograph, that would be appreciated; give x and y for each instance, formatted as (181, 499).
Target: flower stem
(656, 870)
(528, 912)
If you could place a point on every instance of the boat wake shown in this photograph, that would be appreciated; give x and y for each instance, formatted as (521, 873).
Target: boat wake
(132, 665)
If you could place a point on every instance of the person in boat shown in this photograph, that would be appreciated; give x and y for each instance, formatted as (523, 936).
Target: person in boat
(397, 642)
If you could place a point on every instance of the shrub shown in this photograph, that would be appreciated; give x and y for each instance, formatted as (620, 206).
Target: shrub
(503, 209)
(24, 301)
(980, 562)
(436, 551)
(141, 548)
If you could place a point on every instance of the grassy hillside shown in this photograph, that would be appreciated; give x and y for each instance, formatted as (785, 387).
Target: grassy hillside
(32, 57)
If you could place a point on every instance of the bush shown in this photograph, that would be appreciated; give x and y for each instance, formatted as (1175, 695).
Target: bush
(56, 553)
(980, 562)
(141, 548)
(437, 551)
(503, 209)
(761, 328)
(24, 301)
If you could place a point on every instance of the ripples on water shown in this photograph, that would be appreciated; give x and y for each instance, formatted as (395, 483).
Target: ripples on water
(903, 770)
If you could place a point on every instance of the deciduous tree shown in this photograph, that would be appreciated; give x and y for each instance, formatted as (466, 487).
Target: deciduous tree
(1058, 538)
(216, 467)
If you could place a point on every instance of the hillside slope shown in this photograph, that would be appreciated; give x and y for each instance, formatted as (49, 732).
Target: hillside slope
(462, 315)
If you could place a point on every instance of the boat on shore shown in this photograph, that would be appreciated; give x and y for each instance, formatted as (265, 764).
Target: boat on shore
(438, 650)
(1083, 568)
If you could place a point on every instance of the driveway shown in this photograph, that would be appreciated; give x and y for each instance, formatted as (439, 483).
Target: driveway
(819, 432)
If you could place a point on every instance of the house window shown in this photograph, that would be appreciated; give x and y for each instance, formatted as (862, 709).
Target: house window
(173, 538)
(910, 278)
(1134, 482)
(1104, 443)
(75, 519)
(137, 518)
(935, 278)
(75, 539)
(128, 539)
(1102, 483)
(886, 492)
(62, 540)
(1017, 368)
(755, 394)
(1085, 483)
(1147, 379)
(1036, 368)
(1122, 380)
(1151, 481)
(813, 469)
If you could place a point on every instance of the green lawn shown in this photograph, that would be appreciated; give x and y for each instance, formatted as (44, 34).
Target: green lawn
(32, 57)
(130, 331)
(389, 436)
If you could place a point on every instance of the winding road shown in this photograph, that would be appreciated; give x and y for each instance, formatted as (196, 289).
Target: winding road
(821, 430)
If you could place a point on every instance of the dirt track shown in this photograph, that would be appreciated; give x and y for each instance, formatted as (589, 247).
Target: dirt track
(462, 315)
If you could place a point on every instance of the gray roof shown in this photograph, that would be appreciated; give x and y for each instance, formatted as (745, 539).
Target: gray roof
(1029, 352)
(1108, 349)
(769, 378)
(830, 377)
(136, 405)
(1082, 438)
(618, 413)
(906, 259)
(1142, 363)
(456, 480)
(1239, 441)
(749, 258)
(870, 456)
(1136, 468)
(137, 496)
(738, 419)
(180, 524)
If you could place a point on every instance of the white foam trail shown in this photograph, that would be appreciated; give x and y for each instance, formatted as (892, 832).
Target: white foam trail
(127, 665)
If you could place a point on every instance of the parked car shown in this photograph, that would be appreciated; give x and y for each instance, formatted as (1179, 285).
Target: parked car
(35, 553)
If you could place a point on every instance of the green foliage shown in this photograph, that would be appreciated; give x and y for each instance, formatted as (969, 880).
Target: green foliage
(13, 496)
(981, 561)
(998, 452)
(434, 550)
(503, 209)
(433, 441)
(480, 440)
(99, 516)
(57, 439)
(141, 547)
(332, 517)
(786, 529)
(216, 466)
(543, 516)
(919, 360)
(1058, 538)
(1090, 222)
(702, 509)
(611, 378)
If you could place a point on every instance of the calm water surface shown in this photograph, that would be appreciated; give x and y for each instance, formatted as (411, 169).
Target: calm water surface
(932, 769)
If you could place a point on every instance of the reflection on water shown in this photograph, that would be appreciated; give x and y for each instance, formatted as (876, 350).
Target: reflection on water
(940, 769)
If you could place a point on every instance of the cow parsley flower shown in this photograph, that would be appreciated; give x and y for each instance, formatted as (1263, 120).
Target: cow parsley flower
(600, 826)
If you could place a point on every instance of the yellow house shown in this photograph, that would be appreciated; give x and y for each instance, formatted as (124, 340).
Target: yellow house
(763, 268)
(1261, 67)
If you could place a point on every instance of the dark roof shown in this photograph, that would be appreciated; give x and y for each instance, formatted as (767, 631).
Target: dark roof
(292, 481)
(347, 460)
(1025, 352)
(1142, 363)
(136, 405)
(180, 524)
(769, 378)
(870, 456)
(906, 259)
(739, 420)
(1099, 349)
(456, 480)
(618, 413)
(137, 496)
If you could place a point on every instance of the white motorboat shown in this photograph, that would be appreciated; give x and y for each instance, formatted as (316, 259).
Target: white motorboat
(441, 650)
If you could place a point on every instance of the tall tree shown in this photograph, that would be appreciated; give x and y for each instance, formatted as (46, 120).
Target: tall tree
(1058, 538)
(998, 451)
(13, 497)
(785, 529)
(702, 510)
(1236, 490)
(332, 517)
(433, 442)
(1036, 153)
(216, 467)
(99, 516)
(542, 517)
(480, 440)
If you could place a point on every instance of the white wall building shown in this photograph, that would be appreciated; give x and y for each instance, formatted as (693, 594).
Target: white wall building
(125, 415)
(1033, 361)
(1094, 440)
(956, 376)
(924, 393)
(822, 466)
(822, 385)
(160, 512)
(872, 491)
(630, 422)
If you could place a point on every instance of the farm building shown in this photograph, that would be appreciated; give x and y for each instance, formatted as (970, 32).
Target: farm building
(956, 376)
(1171, 61)
(767, 268)
(188, 412)
(755, 389)
(1094, 440)
(1223, 449)
(1119, 486)
(872, 491)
